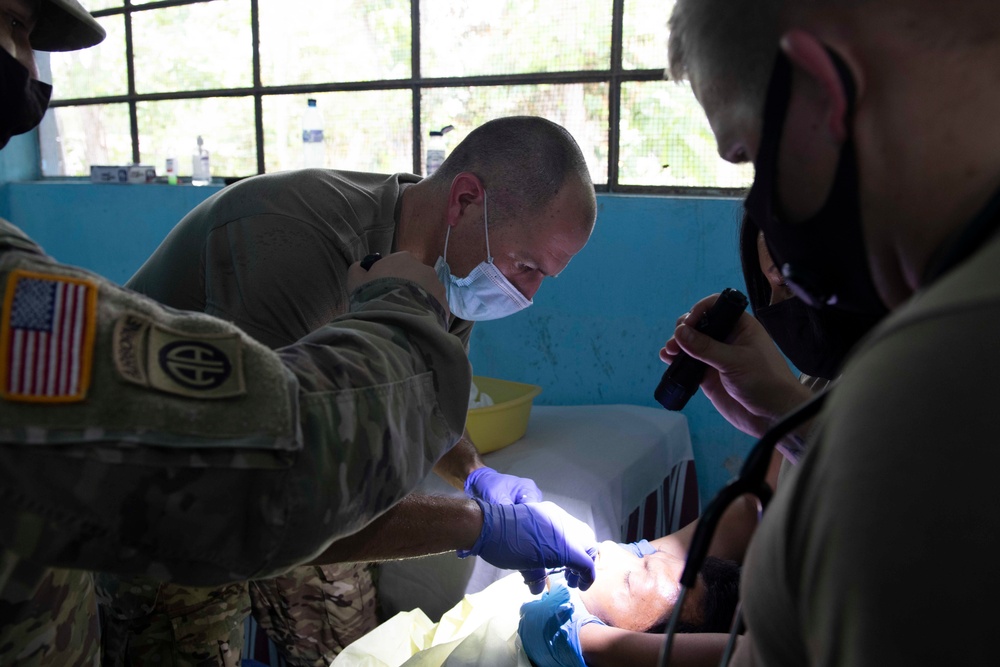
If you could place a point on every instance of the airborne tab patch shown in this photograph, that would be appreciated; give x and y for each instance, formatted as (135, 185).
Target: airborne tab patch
(129, 343)
(187, 364)
(47, 337)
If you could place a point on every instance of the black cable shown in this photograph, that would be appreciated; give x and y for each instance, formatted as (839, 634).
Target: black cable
(751, 479)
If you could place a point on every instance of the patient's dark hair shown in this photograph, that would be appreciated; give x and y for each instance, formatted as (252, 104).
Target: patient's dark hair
(722, 594)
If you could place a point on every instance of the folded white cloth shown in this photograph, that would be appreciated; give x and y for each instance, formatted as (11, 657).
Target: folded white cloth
(478, 399)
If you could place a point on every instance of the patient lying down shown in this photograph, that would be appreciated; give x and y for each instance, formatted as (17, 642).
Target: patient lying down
(635, 589)
(637, 585)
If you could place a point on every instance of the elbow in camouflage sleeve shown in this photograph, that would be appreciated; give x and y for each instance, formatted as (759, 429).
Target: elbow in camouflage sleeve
(409, 408)
(184, 450)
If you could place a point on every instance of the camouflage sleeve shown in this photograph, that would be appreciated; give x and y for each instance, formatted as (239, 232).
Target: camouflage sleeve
(137, 439)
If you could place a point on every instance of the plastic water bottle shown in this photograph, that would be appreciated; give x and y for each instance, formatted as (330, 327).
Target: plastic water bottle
(313, 149)
(201, 171)
(436, 149)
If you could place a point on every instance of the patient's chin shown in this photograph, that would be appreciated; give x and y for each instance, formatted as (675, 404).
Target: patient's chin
(631, 623)
(634, 620)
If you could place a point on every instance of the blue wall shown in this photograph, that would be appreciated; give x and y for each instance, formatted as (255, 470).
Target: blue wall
(593, 335)
(109, 229)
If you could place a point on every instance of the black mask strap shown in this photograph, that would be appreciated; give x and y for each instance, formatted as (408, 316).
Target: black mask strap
(819, 256)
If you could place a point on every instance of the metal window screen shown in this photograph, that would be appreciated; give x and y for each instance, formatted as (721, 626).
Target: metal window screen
(384, 73)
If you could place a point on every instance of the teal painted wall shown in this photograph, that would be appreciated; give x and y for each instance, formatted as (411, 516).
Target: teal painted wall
(110, 229)
(19, 159)
(593, 335)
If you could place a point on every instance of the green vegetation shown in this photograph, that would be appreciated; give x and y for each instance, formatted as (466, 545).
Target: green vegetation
(664, 139)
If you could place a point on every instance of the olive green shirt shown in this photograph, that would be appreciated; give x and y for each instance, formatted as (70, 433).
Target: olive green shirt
(270, 253)
(868, 553)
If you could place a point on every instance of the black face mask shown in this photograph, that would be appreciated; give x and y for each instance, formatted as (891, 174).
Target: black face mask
(24, 98)
(822, 258)
(816, 341)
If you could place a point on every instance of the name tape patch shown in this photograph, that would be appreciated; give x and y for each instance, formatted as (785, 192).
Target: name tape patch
(47, 337)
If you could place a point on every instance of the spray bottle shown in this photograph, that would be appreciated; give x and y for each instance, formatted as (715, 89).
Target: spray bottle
(436, 149)
(201, 172)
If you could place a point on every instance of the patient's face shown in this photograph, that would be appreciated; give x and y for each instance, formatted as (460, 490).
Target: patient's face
(635, 593)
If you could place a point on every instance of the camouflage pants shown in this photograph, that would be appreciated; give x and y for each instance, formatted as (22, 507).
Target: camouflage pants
(54, 623)
(147, 623)
(312, 612)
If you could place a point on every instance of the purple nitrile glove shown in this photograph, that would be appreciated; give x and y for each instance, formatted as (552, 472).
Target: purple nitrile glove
(550, 629)
(536, 535)
(496, 487)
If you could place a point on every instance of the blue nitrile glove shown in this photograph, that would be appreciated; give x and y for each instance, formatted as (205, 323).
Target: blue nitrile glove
(642, 548)
(496, 487)
(536, 535)
(550, 630)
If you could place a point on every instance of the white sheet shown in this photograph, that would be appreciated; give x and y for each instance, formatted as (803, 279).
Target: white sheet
(599, 462)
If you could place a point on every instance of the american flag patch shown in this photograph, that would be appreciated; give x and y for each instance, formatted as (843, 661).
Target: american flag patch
(47, 337)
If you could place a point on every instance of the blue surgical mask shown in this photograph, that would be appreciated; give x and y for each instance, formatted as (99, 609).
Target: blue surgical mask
(484, 294)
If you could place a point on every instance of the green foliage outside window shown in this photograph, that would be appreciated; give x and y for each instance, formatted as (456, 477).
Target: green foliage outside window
(192, 73)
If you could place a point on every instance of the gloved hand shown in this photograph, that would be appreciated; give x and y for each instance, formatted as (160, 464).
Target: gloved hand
(496, 487)
(642, 548)
(536, 535)
(550, 630)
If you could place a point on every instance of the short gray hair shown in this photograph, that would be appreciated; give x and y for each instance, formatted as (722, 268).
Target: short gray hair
(728, 46)
(523, 162)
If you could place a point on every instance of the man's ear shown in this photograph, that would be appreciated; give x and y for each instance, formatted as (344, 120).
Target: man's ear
(811, 57)
(466, 190)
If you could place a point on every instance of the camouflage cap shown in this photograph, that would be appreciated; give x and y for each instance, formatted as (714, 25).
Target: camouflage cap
(64, 25)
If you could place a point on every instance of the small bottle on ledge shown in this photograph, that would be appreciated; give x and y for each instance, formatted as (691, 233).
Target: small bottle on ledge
(313, 149)
(172, 170)
(201, 171)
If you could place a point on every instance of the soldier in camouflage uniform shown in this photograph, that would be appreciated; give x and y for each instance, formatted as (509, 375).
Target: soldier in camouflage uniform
(37, 628)
(47, 616)
(190, 626)
(138, 439)
(313, 612)
(271, 253)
